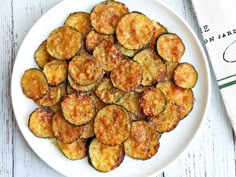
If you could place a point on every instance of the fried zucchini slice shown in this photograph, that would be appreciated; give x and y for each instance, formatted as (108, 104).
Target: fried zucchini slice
(80, 21)
(56, 72)
(40, 122)
(154, 69)
(140, 89)
(131, 102)
(41, 56)
(185, 75)
(63, 130)
(64, 42)
(78, 109)
(127, 76)
(34, 83)
(170, 47)
(167, 120)
(52, 97)
(84, 69)
(153, 102)
(106, 15)
(83, 88)
(127, 52)
(75, 150)
(170, 68)
(183, 98)
(108, 55)
(159, 29)
(112, 125)
(143, 142)
(105, 158)
(107, 92)
(134, 30)
(94, 38)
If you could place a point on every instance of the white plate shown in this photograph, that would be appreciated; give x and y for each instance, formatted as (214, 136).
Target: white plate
(171, 144)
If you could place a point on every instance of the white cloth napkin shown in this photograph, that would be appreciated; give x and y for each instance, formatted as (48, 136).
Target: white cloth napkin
(217, 20)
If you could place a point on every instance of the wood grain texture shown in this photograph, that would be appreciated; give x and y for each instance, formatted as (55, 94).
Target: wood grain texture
(211, 154)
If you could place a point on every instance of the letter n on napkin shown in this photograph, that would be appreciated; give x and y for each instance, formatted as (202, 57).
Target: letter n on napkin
(217, 20)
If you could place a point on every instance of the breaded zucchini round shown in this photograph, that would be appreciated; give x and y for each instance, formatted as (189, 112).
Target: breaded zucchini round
(108, 55)
(84, 69)
(78, 109)
(185, 75)
(80, 21)
(34, 83)
(112, 125)
(103, 157)
(40, 122)
(56, 72)
(153, 102)
(75, 150)
(106, 15)
(143, 142)
(170, 47)
(127, 76)
(64, 42)
(134, 30)
(41, 56)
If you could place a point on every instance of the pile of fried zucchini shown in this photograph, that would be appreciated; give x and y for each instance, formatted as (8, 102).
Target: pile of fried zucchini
(109, 83)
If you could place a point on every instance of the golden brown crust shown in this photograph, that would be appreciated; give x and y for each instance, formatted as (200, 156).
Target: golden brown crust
(98, 103)
(63, 130)
(41, 56)
(56, 72)
(183, 98)
(84, 70)
(134, 30)
(94, 38)
(158, 29)
(64, 42)
(170, 47)
(88, 130)
(80, 21)
(105, 158)
(112, 125)
(108, 55)
(127, 76)
(170, 68)
(52, 97)
(131, 102)
(34, 83)
(143, 142)
(75, 150)
(40, 122)
(154, 69)
(153, 102)
(78, 109)
(185, 75)
(167, 120)
(107, 92)
(106, 15)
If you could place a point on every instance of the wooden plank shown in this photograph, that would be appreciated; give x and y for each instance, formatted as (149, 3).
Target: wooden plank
(6, 115)
(26, 162)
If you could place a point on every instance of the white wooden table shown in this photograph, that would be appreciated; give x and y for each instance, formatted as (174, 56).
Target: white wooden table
(212, 153)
